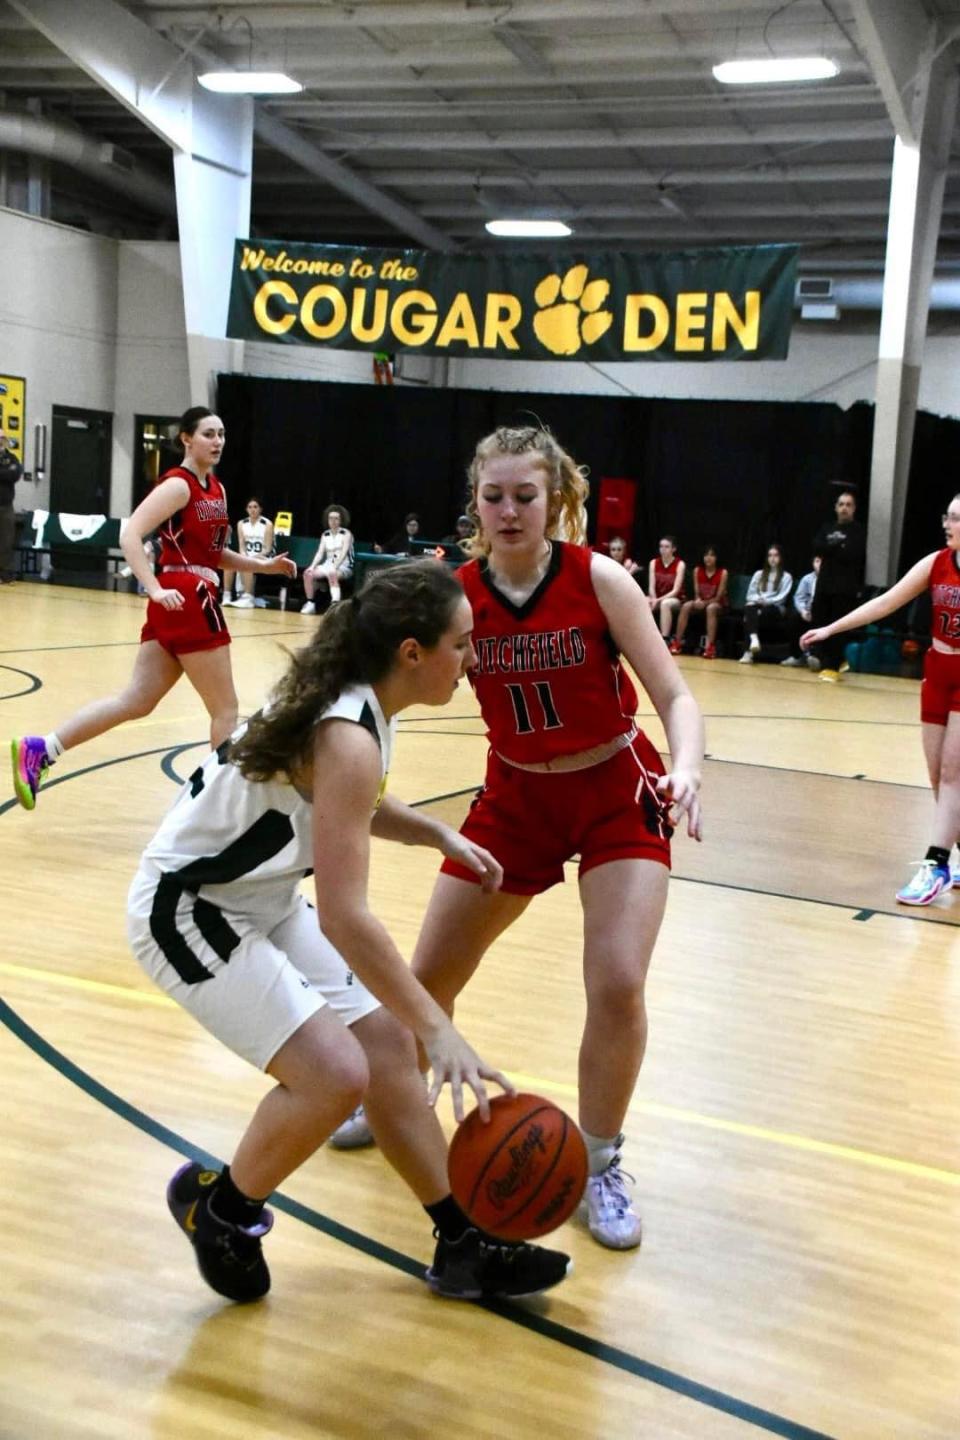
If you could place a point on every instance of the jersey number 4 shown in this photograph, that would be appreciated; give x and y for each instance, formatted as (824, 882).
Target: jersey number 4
(536, 711)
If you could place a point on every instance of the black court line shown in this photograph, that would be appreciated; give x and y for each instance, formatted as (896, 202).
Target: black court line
(35, 682)
(610, 1355)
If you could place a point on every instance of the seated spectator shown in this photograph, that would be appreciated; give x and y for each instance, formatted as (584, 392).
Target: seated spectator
(462, 533)
(709, 600)
(333, 562)
(617, 550)
(402, 542)
(802, 617)
(254, 537)
(766, 604)
(665, 584)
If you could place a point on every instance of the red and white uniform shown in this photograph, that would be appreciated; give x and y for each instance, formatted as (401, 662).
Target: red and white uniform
(708, 585)
(664, 576)
(191, 549)
(554, 696)
(940, 691)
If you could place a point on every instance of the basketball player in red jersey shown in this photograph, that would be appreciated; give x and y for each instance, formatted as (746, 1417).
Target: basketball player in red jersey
(185, 633)
(939, 694)
(568, 774)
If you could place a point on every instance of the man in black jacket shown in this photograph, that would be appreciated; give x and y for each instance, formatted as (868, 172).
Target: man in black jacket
(10, 472)
(843, 546)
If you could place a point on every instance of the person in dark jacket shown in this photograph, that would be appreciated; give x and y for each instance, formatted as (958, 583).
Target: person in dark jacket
(843, 547)
(10, 472)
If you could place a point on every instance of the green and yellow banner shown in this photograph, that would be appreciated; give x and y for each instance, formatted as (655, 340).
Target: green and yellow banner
(734, 303)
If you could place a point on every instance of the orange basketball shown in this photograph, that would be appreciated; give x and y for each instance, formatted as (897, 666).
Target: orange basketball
(521, 1174)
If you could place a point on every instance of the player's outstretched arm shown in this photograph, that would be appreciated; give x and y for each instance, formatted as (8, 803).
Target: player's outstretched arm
(906, 589)
(396, 821)
(346, 783)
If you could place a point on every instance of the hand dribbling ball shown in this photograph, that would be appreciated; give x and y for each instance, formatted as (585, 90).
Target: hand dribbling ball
(522, 1173)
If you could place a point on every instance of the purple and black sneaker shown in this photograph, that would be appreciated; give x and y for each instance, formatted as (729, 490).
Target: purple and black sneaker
(230, 1257)
(30, 765)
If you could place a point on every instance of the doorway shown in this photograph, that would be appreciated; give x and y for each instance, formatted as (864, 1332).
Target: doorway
(80, 461)
(155, 450)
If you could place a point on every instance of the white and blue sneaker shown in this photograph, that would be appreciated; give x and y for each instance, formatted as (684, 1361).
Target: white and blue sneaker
(930, 881)
(608, 1209)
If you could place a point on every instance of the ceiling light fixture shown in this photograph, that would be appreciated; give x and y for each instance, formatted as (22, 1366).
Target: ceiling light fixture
(249, 82)
(541, 229)
(775, 70)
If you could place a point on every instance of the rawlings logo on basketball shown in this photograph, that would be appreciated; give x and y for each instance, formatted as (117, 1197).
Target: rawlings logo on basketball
(523, 1167)
(558, 1204)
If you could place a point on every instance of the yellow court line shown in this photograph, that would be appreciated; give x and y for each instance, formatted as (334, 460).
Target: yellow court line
(538, 1085)
(77, 982)
(772, 1137)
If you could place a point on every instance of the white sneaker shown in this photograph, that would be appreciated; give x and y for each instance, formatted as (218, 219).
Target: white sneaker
(308, 609)
(354, 1133)
(608, 1209)
(225, 602)
(793, 660)
(244, 602)
(746, 658)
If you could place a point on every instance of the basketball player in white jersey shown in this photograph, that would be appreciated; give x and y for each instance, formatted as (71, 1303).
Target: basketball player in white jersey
(254, 537)
(322, 1000)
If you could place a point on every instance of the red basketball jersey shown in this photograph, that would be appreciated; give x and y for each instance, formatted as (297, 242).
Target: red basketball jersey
(664, 576)
(708, 585)
(196, 534)
(945, 595)
(548, 676)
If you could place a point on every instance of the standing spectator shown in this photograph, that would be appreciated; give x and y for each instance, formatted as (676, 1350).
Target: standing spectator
(843, 545)
(255, 535)
(665, 587)
(333, 562)
(710, 599)
(803, 615)
(617, 550)
(766, 604)
(10, 472)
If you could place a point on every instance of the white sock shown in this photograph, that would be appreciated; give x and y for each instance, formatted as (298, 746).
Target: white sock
(334, 592)
(601, 1150)
(54, 748)
(754, 641)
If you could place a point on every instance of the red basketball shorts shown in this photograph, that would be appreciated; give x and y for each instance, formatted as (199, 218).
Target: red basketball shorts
(534, 822)
(198, 626)
(940, 689)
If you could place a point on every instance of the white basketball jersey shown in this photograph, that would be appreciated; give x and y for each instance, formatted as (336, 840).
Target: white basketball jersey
(248, 842)
(254, 535)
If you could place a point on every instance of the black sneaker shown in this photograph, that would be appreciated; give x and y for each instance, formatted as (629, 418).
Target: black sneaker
(230, 1257)
(478, 1267)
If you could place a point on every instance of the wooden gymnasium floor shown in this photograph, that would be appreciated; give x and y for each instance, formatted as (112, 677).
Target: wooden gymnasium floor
(794, 1136)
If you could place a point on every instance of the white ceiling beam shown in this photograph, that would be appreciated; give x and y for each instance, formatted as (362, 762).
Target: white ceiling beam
(651, 137)
(449, 12)
(367, 194)
(898, 39)
(677, 179)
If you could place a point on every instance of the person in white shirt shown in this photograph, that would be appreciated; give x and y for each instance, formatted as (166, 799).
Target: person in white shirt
(321, 999)
(767, 596)
(255, 537)
(333, 562)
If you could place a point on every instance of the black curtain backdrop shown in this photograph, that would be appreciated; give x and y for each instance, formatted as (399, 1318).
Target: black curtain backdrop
(737, 474)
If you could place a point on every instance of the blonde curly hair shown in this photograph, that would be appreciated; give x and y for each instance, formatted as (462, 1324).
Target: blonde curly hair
(567, 485)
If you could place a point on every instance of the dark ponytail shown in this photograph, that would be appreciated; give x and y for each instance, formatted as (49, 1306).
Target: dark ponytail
(356, 642)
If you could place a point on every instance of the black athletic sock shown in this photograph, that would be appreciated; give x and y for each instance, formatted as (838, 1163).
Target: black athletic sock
(939, 856)
(230, 1204)
(449, 1219)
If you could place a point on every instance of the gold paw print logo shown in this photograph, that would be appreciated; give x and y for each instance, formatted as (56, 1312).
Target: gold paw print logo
(569, 315)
